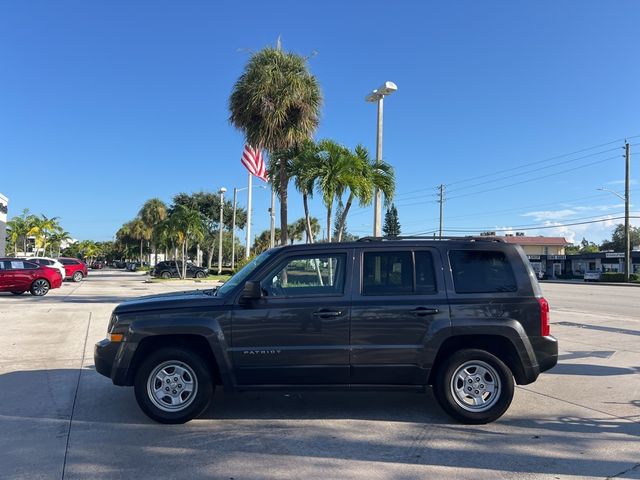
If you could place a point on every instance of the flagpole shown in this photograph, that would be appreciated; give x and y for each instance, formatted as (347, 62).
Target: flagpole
(247, 250)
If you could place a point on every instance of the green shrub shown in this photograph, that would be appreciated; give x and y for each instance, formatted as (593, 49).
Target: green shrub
(618, 277)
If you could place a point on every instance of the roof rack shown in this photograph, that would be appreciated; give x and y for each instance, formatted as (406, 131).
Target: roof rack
(447, 237)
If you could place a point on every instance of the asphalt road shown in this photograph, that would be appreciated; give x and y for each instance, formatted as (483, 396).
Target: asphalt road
(60, 419)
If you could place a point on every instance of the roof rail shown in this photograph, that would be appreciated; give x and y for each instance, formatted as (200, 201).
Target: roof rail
(447, 237)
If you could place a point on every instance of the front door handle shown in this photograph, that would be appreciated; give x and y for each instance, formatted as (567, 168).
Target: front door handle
(327, 313)
(424, 311)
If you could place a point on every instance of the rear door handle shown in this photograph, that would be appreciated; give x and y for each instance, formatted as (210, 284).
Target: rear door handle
(424, 311)
(327, 313)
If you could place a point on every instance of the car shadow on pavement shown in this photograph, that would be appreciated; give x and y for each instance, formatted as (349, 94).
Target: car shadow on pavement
(591, 370)
(110, 435)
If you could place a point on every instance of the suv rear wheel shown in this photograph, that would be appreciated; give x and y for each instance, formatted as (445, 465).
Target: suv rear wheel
(165, 275)
(173, 385)
(77, 277)
(474, 386)
(39, 287)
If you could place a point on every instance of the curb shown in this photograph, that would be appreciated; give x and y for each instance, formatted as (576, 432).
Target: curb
(610, 284)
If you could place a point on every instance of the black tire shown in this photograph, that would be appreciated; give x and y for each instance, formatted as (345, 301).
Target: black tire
(199, 275)
(497, 376)
(40, 287)
(165, 275)
(18, 292)
(77, 276)
(202, 385)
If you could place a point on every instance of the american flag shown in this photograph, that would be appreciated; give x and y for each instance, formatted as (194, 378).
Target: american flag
(253, 161)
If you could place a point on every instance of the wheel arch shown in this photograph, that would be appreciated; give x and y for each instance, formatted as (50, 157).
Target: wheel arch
(498, 345)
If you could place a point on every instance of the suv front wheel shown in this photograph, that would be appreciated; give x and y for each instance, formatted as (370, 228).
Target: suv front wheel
(474, 386)
(173, 385)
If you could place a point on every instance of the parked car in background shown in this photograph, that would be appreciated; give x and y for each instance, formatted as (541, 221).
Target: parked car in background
(98, 265)
(18, 276)
(592, 276)
(119, 264)
(48, 262)
(75, 269)
(170, 270)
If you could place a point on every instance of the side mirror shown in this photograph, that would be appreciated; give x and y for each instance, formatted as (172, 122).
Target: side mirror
(251, 291)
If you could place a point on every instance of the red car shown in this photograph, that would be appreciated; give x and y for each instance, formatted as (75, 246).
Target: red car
(18, 276)
(74, 268)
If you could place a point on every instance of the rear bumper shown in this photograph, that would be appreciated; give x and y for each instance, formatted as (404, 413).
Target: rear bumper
(546, 350)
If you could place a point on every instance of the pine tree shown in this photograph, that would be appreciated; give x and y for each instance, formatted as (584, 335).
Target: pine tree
(391, 227)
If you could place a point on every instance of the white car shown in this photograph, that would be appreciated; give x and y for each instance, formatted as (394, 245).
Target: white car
(48, 262)
(591, 276)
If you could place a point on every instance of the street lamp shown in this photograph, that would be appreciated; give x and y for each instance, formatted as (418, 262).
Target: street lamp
(222, 190)
(233, 228)
(627, 232)
(378, 96)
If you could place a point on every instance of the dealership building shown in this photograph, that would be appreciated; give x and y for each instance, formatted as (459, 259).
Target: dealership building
(547, 255)
(4, 209)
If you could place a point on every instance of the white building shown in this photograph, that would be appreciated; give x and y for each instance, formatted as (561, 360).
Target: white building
(4, 209)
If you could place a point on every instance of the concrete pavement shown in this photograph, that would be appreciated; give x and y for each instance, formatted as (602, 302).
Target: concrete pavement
(60, 419)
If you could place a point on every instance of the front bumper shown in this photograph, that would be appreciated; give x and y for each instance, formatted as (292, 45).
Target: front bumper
(104, 354)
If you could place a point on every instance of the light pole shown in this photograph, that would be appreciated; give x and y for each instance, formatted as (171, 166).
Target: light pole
(378, 96)
(222, 190)
(233, 228)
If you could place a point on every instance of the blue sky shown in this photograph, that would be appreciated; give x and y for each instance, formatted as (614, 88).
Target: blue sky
(106, 104)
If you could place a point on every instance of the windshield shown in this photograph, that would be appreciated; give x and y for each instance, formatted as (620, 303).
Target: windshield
(244, 272)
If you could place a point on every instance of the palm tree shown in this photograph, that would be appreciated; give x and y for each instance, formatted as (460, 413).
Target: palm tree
(152, 213)
(334, 172)
(276, 104)
(369, 176)
(137, 230)
(186, 225)
(58, 238)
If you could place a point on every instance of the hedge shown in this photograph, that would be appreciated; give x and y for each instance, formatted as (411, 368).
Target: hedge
(618, 277)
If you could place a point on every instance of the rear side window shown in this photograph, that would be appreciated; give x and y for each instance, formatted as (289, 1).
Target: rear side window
(476, 271)
(66, 261)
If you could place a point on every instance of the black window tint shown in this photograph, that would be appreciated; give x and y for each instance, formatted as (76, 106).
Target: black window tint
(476, 271)
(30, 266)
(64, 261)
(425, 275)
(387, 273)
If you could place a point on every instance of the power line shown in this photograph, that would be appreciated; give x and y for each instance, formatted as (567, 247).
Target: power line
(500, 187)
(532, 227)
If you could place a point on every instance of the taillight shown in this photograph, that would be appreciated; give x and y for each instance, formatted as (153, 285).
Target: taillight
(544, 317)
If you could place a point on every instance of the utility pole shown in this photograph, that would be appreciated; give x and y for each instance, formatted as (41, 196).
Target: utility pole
(441, 201)
(233, 230)
(222, 190)
(247, 248)
(627, 232)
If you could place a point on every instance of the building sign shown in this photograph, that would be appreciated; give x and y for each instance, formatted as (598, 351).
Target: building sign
(556, 257)
(614, 255)
(533, 257)
(3, 208)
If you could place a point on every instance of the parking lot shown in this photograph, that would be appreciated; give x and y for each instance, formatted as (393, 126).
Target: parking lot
(60, 419)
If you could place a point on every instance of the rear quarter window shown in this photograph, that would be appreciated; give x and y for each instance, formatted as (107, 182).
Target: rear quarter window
(481, 271)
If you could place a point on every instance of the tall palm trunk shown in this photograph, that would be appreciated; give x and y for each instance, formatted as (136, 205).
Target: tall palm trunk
(343, 219)
(307, 218)
(329, 223)
(141, 251)
(284, 182)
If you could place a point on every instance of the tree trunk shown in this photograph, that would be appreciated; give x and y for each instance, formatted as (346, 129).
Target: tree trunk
(343, 219)
(307, 218)
(284, 183)
(141, 251)
(329, 223)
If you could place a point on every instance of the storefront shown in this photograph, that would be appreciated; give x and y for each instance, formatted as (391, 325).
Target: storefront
(601, 262)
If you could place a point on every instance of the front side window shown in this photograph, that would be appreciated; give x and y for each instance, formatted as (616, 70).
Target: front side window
(476, 271)
(307, 275)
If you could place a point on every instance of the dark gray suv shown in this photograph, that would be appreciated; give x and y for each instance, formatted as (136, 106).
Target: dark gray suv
(465, 316)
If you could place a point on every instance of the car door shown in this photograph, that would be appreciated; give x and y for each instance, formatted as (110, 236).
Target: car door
(399, 304)
(298, 332)
(7, 280)
(22, 273)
